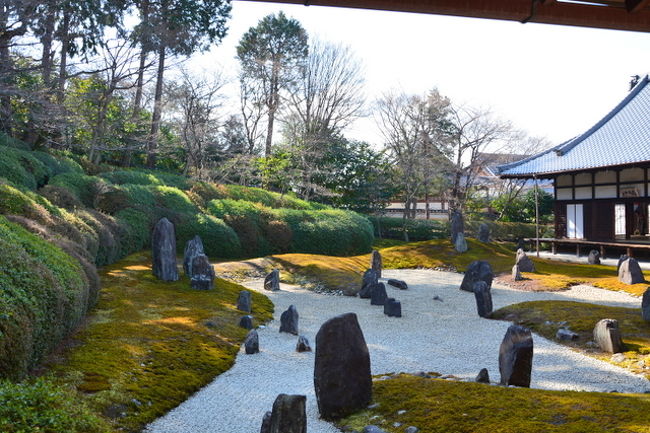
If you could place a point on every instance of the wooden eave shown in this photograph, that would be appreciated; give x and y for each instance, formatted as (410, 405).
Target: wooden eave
(553, 174)
(633, 15)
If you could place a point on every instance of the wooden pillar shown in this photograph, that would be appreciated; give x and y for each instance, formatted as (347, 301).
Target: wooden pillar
(629, 252)
(553, 248)
(602, 251)
(577, 250)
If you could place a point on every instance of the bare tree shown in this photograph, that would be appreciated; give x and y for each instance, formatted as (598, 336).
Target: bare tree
(197, 101)
(253, 110)
(414, 130)
(473, 131)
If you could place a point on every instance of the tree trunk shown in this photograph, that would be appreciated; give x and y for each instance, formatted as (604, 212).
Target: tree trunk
(6, 75)
(157, 110)
(46, 40)
(65, 47)
(272, 106)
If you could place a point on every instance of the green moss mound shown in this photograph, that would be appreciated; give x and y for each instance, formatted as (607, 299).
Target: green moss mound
(154, 343)
(146, 177)
(43, 296)
(44, 407)
(85, 188)
(546, 317)
(443, 406)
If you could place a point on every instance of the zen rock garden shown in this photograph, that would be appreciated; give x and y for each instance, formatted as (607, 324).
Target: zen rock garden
(341, 364)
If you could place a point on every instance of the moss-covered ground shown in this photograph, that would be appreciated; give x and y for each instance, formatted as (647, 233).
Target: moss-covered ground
(148, 345)
(444, 406)
(344, 273)
(546, 317)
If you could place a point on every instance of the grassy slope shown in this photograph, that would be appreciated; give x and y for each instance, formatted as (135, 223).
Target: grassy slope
(148, 345)
(544, 318)
(442, 406)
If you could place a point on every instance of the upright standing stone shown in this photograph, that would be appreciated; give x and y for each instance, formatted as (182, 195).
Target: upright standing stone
(457, 225)
(461, 243)
(483, 376)
(266, 423)
(289, 320)
(246, 322)
(630, 272)
(370, 278)
(621, 259)
(484, 233)
(163, 246)
(244, 302)
(393, 308)
(516, 356)
(252, 343)
(594, 257)
(524, 262)
(478, 270)
(272, 281)
(483, 296)
(645, 305)
(342, 379)
(202, 277)
(607, 336)
(376, 262)
(516, 275)
(289, 415)
(193, 248)
(303, 344)
(378, 294)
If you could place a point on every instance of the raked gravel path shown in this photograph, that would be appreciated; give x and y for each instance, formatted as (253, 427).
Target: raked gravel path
(447, 337)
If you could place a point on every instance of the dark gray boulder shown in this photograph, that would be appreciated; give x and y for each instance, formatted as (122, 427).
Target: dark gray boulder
(630, 272)
(202, 277)
(524, 262)
(607, 336)
(372, 429)
(516, 356)
(456, 225)
(193, 248)
(461, 244)
(246, 322)
(342, 379)
(483, 296)
(376, 262)
(566, 335)
(244, 302)
(252, 343)
(272, 281)
(266, 423)
(645, 305)
(516, 275)
(288, 414)
(484, 233)
(483, 376)
(621, 259)
(370, 278)
(163, 248)
(289, 320)
(303, 344)
(594, 257)
(478, 270)
(398, 283)
(393, 308)
(378, 294)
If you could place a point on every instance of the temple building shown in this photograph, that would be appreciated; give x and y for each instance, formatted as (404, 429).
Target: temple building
(600, 178)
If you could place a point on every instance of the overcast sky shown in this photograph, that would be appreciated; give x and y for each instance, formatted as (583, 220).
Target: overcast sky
(553, 81)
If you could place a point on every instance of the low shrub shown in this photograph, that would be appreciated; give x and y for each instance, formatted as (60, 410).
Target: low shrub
(505, 231)
(146, 177)
(85, 188)
(137, 227)
(202, 193)
(219, 240)
(417, 229)
(44, 296)
(271, 199)
(23, 168)
(44, 407)
(173, 198)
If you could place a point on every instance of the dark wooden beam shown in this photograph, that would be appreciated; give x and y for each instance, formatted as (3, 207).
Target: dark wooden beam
(636, 5)
(548, 12)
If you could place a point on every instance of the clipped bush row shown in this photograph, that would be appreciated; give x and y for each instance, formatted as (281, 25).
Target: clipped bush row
(263, 230)
(44, 295)
(32, 169)
(504, 231)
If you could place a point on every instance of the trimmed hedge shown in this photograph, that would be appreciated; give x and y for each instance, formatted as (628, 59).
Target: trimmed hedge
(270, 199)
(219, 240)
(43, 296)
(85, 188)
(146, 177)
(509, 231)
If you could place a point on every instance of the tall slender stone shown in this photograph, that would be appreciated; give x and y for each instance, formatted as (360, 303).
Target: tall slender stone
(376, 262)
(272, 281)
(163, 246)
(483, 296)
(244, 302)
(342, 379)
(289, 320)
(288, 414)
(378, 294)
(193, 248)
(461, 243)
(370, 278)
(252, 343)
(516, 357)
(607, 336)
(202, 277)
(484, 233)
(457, 225)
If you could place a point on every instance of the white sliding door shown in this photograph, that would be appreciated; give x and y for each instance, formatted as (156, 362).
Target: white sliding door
(574, 221)
(619, 220)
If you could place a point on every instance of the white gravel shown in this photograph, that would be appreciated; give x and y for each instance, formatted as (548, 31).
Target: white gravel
(447, 337)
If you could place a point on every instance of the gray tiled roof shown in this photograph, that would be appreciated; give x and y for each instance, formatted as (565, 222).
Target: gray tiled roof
(621, 137)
